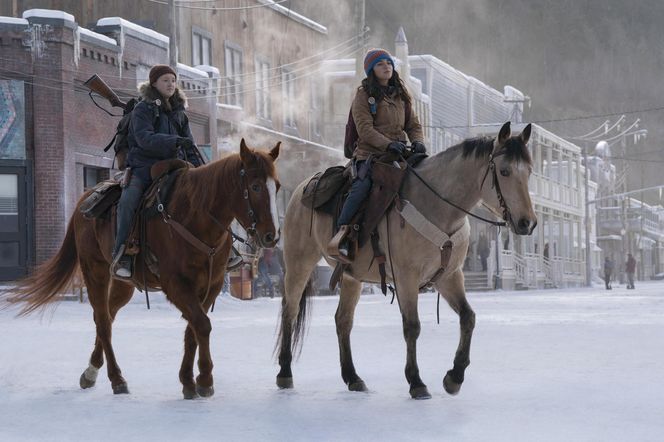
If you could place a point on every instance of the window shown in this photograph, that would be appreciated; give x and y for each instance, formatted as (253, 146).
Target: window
(233, 61)
(93, 175)
(263, 102)
(288, 91)
(201, 47)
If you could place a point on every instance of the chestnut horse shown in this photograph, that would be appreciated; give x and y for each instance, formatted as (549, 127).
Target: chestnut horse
(494, 171)
(205, 201)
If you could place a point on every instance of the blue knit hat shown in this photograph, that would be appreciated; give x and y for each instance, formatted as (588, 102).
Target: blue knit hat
(373, 57)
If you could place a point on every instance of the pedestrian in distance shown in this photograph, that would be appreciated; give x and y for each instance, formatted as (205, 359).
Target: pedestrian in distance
(608, 271)
(630, 269)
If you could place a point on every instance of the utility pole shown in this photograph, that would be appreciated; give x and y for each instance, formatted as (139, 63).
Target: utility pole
(173, 40)
(587, 217)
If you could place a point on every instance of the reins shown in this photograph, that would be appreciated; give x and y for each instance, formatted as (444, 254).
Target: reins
(491, 166)
(501, 200)
(200, 245)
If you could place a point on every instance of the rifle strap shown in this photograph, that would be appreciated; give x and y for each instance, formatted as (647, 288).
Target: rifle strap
(96, 104)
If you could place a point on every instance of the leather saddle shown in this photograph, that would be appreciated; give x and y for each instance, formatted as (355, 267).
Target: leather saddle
(164, 174)
(387, 174)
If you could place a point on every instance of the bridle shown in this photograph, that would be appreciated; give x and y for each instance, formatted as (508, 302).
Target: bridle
(507, 216)
(251, 230)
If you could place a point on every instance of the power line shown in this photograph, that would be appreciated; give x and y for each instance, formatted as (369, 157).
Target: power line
(208, 8)
(557, 120)
(638, 160)
(190, 98)
(338, 51)
(324, 53)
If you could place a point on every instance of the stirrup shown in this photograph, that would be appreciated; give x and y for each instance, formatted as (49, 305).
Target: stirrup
(339, 247)
(121, 265)
(235, 260)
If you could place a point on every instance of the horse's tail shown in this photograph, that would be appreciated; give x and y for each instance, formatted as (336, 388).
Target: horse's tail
(300, 325)
(48, 280)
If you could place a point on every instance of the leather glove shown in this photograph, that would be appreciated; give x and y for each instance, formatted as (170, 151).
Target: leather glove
(184, 143)
(419, 147)
(396, 147)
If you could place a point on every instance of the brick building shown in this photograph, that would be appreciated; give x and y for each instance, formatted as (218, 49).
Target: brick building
(46, 57)
(252, 73)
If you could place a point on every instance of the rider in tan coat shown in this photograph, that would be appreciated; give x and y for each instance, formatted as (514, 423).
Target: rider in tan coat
(384, 117)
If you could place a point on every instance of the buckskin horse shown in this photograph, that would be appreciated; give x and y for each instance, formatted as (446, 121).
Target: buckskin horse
(442, 189)
(191, 266)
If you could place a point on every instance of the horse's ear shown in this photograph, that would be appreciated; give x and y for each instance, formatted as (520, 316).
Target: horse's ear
(245, 152)
(503, 135)
(525, 135)
(274, 153)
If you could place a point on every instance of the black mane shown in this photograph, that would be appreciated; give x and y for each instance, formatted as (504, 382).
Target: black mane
(514, 149)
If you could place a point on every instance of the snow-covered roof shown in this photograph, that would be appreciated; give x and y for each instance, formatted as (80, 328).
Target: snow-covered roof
(91, 35)
(13, 21)
(136, 30)
(295, 16)
(49, 13)
(190, 72)
(212, 71)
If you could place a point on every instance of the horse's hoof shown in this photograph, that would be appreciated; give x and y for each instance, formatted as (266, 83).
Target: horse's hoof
(205, 391)
(121, 388)
(420, 392)
(189, 393)
(284, 383)
(85, 382)
(450, 386)
(358, 385)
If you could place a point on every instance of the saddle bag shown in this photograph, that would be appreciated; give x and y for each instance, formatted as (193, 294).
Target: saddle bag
(324, 186)
(103, 196)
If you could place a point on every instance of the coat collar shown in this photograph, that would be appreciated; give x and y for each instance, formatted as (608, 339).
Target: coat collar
(150, 95)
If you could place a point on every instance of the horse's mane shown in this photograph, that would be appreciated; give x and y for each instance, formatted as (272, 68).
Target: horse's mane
(205, 186)
(481, 147)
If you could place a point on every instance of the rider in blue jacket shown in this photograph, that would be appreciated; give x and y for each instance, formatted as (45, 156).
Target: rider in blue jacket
(159, 130)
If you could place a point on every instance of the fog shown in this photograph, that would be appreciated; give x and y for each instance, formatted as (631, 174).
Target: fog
(574, 59)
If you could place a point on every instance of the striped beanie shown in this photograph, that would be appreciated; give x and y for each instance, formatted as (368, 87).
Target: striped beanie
(373, 57)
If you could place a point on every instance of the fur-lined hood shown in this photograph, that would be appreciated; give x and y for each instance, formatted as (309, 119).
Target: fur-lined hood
(150, 95)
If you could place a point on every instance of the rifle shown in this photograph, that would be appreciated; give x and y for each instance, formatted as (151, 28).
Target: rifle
(98, 86)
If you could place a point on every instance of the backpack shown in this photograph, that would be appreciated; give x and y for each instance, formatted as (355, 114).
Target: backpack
(351, 137)
(120, 139)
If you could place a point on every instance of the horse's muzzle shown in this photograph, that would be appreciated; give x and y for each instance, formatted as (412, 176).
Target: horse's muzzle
(269, 239)
(525, 226)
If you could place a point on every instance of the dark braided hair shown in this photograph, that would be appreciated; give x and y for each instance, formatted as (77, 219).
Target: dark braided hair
(374, 89)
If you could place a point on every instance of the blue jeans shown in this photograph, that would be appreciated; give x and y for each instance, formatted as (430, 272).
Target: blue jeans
(129, 201)
(359, 190)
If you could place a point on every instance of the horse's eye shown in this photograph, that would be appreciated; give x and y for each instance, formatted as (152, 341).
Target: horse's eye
(505, 172)
(256, 187)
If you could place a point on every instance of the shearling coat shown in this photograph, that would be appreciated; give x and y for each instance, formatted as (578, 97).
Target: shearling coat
(154, 130)
(376, 132)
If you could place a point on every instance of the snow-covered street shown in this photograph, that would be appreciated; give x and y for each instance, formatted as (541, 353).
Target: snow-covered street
(581, 364)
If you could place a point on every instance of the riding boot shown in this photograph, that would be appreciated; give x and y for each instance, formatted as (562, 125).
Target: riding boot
(339, 247)
(121, 265)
